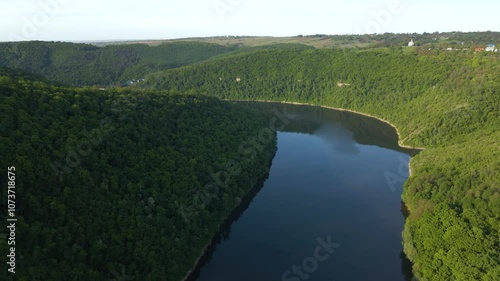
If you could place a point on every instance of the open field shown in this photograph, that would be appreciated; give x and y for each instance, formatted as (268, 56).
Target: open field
(315, 41)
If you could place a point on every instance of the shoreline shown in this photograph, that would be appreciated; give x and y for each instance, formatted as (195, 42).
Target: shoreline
(196, 262)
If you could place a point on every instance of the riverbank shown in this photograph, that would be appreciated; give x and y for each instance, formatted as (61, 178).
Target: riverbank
(197, 261)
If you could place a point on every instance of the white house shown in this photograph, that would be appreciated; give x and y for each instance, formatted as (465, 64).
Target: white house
(490, 47)
(411, 44)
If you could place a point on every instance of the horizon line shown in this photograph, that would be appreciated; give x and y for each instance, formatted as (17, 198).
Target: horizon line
(241, 36)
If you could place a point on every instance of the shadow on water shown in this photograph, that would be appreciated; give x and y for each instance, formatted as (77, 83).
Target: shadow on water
(366, 130)
(406, 265)
(225, 230)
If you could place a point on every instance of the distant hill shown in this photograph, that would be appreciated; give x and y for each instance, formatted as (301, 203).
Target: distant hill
(84, 64)
(448, 39)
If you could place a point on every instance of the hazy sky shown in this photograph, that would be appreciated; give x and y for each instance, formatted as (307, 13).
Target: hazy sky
(70, 20)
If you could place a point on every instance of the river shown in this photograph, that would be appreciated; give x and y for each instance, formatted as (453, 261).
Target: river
(330, 208)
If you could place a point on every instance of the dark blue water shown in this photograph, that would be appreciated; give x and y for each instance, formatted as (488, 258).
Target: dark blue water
(326, 211)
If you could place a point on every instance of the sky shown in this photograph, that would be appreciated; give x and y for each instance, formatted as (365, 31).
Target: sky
(95, 20)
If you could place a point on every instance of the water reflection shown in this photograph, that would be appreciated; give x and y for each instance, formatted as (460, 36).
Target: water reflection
(313, 120)
(338, 138)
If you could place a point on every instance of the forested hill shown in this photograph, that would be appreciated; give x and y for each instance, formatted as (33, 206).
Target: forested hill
(121, 183)
(84, 64)
(447, 101)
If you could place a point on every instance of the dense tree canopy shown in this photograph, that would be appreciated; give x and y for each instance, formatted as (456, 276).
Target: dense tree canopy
(112, 179)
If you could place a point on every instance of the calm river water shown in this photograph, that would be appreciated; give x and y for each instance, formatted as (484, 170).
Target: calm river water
(330, 208)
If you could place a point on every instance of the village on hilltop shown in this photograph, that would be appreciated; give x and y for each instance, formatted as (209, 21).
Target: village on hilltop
(488, 48)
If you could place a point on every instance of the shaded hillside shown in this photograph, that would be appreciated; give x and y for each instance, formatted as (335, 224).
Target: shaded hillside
(121, 180)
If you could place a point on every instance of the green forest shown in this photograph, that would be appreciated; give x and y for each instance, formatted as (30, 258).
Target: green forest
(446, 102)
(117, 180)
(113, 65)
(154, 148)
